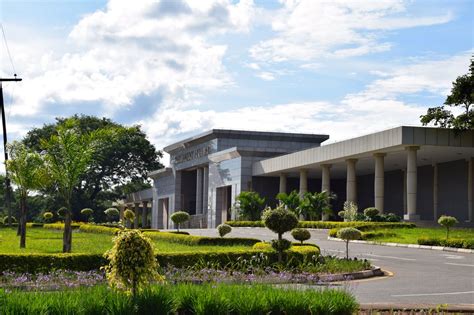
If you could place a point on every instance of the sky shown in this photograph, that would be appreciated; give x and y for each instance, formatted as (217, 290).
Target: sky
(178, 68)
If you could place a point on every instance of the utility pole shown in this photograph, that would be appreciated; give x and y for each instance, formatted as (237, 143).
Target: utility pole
(4, 125)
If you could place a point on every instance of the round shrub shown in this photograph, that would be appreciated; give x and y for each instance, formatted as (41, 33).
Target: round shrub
(224, 229)
(112, 213)
(87, 212)
(348, 234)
(281, 245)
(62, 212)
(180, 217)
(132, 262)
(129, 215)
(447, 222)
(262, 246)
(5, 219)
(301, 234)
(48, 215)
(280, 220)
(371, 213)
(341, 214)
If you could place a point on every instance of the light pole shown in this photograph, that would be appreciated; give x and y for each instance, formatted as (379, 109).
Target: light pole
(4, 125)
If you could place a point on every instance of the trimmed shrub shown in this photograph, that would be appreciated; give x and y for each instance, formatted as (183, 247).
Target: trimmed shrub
(60, 226)
(246, 223)
(89, 228)
(201, 240)
(300, 234)
(341, 214)
(361, 225)
(447, 222)
(61, 212)
(5, 220)
(375, 234)
(34, 225)
(371, 213)
(250, 205)
(48, 216)
(87, 212)
(132, 263)
(180, 217)
(172, 232)
(129, 215)
(224, 229)
(455, 243)
(112, 213)
(350, 211)
(281, 245)
(348, 234)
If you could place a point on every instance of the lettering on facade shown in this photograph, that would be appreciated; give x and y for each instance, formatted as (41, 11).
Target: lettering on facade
(192, 155)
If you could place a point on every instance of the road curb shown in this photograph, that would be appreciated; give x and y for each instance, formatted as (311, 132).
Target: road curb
(405, 307)
(440, 248)
(374, 272)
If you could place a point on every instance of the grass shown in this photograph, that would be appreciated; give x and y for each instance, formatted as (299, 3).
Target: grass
(181, 299)
(411, 236)
(44, 241)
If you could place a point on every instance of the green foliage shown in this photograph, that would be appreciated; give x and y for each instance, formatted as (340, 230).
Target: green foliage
(129, 215)
(280, 220)
(224, 229)
(47, 216)
(291, 201)
(90, 228)
(455, 243)
(327, 224)
(314, 205)
(371, 213)
(62, 212)
(350, 211)
(132, 263)
(300, 234)
(60, 226)
(349, 234)
(87, 212)
(462, 96)
(250, 205)
(341, 214)
(281, 245)
(246, 223)
(112, 213)
(179, 218)
(200, 240)
(447, 222)
(182, 299)
(5, 219)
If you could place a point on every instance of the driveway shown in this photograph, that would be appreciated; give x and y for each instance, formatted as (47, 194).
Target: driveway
(419, 275)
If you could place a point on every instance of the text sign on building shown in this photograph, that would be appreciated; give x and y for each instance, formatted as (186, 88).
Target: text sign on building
(192, 155)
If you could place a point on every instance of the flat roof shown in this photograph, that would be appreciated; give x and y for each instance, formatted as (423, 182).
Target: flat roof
(245, 134)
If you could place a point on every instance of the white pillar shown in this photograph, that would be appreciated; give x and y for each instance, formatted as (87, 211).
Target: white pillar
(470, 201)
(411, 184)
(435, 192)
(205, 187)
(199, 172)
(303, 181)
(282, 183)
(379, 181)
(351, 183)
(326, 177)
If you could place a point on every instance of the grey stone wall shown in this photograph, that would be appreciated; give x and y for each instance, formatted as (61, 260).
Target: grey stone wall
(452, 186)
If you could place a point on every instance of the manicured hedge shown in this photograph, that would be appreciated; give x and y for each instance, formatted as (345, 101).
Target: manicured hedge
(213, 299)
(90, 228)
(82, 262)
(361, 225)
(60, 226)
(456, 243)
(34, 225)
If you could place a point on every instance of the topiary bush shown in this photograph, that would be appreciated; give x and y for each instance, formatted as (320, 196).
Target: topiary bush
(48, 216)
(371, 213)
(129, 215)
(224, 229)
(5, 219)
(281, 245)
(132, 263)
(447, 222)
(301, 235)
(61, 212)
(280, 220)
(349, 234)
(180, 217)
(87, 212)
(112, 213)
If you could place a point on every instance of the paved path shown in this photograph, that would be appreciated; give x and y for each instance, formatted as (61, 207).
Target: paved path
(419, 275)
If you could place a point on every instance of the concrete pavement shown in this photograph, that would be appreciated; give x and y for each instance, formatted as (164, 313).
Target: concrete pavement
(419, 275)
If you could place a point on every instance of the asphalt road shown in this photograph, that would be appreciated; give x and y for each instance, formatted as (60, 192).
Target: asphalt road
(419, 275)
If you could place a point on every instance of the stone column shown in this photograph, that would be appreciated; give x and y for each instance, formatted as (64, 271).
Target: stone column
(282, 183)
(303, 181)
(379, 181)
(470, 201)
(145, 215)
(199, 172)
(411, 184)
(137, 213)
(351, 183)
(325, 183)
(205, 188)
(435, 192)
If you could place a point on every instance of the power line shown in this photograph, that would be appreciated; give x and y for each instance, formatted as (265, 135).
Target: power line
(8, 49)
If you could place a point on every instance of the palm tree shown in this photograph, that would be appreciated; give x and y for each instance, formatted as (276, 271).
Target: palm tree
(27, 171)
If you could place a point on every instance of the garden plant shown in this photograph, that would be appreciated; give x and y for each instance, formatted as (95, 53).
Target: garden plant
(179, 218)
(224, 229)
(348, 234)
(300, 234)
(447, 222)
(250, 205)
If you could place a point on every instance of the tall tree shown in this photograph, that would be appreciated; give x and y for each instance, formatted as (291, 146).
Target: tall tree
(462, 97)
(69, 154)
(125, 159)
(27, 171)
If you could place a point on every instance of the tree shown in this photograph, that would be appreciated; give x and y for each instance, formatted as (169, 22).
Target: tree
(447, 222)
(462, 95)
(224, 229)
(27, 171)
(301, 235)
(69, 155)
(291, 201)
(251, 205)
(180, 217)
(348, 234)
(314, 205)
(119, 166)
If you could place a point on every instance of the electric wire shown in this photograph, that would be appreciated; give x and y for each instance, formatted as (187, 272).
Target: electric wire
(8, 49)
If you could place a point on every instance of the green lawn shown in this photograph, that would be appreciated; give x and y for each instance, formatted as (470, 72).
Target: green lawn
(46, 241)
(411, 236)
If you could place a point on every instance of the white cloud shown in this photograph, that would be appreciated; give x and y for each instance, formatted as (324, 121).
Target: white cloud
(267, 76)
(307, 30)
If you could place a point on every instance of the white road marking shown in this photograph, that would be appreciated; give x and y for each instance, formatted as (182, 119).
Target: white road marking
(434, 294)
(465, 265)
(453, 257)
(392, 257)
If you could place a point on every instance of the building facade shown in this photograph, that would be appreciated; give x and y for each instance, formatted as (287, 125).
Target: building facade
(415, 172)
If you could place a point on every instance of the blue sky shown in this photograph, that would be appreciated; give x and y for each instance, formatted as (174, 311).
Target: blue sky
(177, 68)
